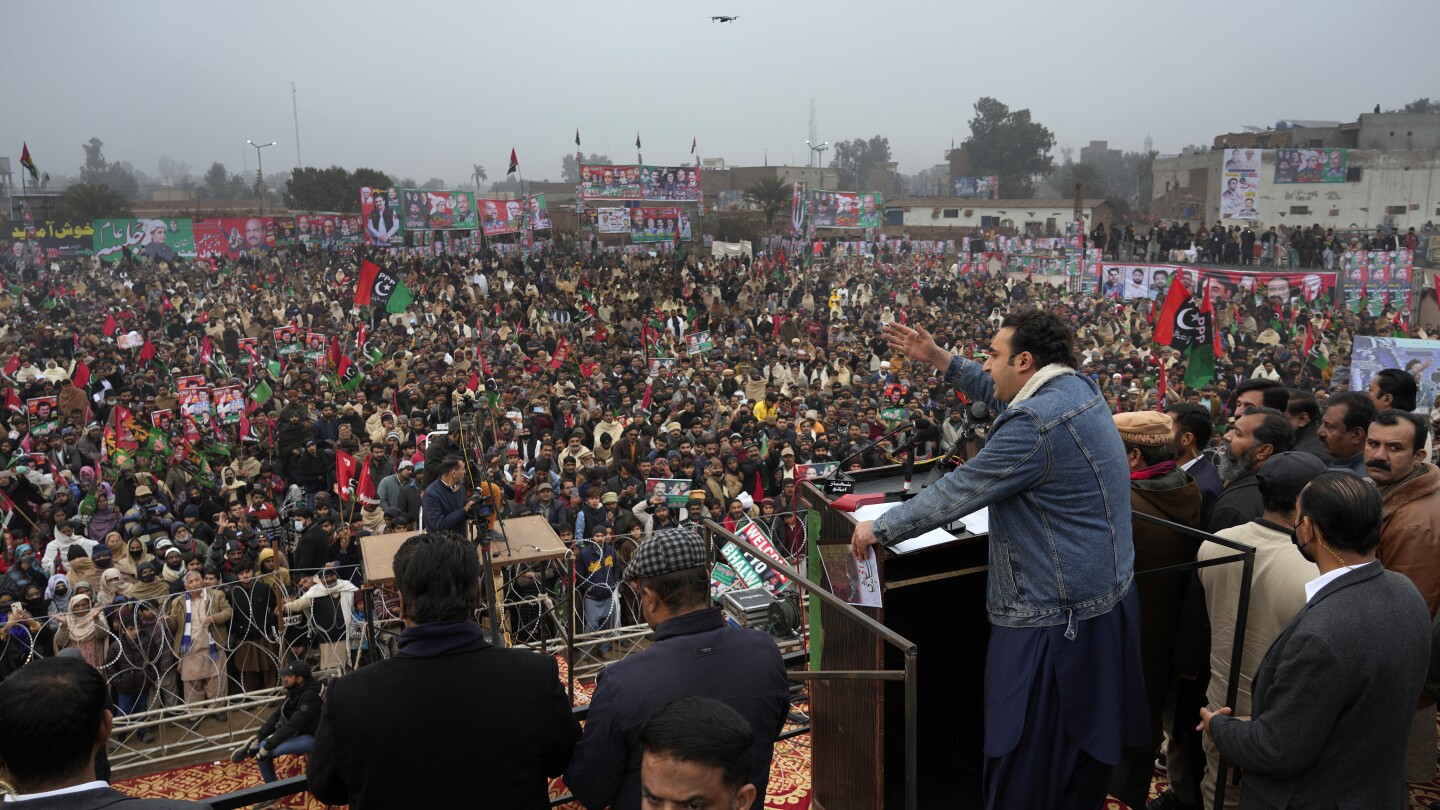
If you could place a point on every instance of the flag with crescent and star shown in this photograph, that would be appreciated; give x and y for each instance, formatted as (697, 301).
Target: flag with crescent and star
(377, 287)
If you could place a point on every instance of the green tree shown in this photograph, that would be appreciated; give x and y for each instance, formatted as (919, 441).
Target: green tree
(83, 202)
(217, 181)
(771, 194)
(1010, 145)
(478, 175)
(1083, 173)
(331, 189)
(99, 171)
(855, 159)
(1420, 105)
(434, 184)
(570, 170)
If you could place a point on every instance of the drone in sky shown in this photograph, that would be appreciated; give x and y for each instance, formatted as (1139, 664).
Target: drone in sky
(724, 18)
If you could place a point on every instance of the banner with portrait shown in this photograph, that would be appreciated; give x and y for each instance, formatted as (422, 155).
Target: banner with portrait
(49, 239)
(500, 216)
(1240, 184)
(44, 413)
(610, 182)
(659, 224)
(235, 237)
(1310, 165)
(380, 216)
(229, 402)
(1134, 281)
(846, 209)
(670, 183)
(1382, 278)
(166, 239)
(539, 214)
(438, 210)
(611, 220)
(675, 491)
(328, 231)
(977, 188)
(1419, 358)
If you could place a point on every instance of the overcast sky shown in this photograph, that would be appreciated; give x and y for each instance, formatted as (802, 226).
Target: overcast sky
(426, 88)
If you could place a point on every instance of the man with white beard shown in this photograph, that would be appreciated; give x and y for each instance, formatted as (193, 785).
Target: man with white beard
(1255, 437)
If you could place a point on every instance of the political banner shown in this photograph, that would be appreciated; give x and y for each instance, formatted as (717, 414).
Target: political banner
(610, 182)
(539, 214)
(977, 188)
(193, 382)
(1309, 165)
(612, 220)
(698, 343)
(670, 183)
(163, 420)
(659, 224)
(1419, 358)
(1134, 281)
(328, 231)
(755, 571)
(195, 404)
(439, 210)
(380, 213)
(1240, 181)
(819, 469)
(287, 340)
(675, 491)
(44, 413)
(48, 239)
(845, 209)
(500, 216)
(1378, 277)
(166, 239)
(229, 402)
(235, 237)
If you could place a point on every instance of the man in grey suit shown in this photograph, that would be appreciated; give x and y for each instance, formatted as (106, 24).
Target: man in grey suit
(54, 723)
(1334, 696)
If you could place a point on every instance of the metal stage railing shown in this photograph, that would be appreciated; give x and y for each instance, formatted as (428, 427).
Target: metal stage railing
(188, 733)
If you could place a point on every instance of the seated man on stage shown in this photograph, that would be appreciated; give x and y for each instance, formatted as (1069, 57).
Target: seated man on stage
(291, 728)
(694, 654)
(1064, 692)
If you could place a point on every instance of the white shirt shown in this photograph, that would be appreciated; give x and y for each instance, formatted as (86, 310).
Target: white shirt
(25, 797)
(1191, 463)
(1317, 584)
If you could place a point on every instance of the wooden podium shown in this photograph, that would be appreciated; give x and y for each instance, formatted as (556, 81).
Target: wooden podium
(935, 598)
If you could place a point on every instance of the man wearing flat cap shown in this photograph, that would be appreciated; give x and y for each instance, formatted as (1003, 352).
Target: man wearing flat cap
(694, 654)
(1158, 487)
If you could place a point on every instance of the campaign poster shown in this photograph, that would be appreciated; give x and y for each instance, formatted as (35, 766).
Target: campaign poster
(723, 580)
(872, 210)
(819, 469)
(328, 231)
(698, 343)
(658, 224)
(192, 382)
(49, 239)
(1310, 165)
(164, 239)
(287, 339)
(1419, 358)
(836, 209)
(439, 210)
(1240, 184)
(670, 183)
(539, 214)
(195, 404)
(379, 213)
(612, 220)
(675, 491)
(858, 583)
(500, 216)
(1132, 281)
(657, 364)
(749, 566)
(163, 420)
(1380, 277)
(229, 403)
(44, 413)
(977, 188)
(234, 237)
(610, 182)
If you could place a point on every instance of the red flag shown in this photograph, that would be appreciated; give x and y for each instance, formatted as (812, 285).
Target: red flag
(12, 401)
(1161, 387)
(207, 350)
(12, 366)
(244, 424)
(344, 473)
(81, 377)
(110, 326)
(645, 400)
(333, 354)
(365, 489)
(361, 336)
(514, 163)
(484, 366)
(1175, 299)
(1207, 314)
(474, 384)
(147, 352)
(562, 350)
(368, 271)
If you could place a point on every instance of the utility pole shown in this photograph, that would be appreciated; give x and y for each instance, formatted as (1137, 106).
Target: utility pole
(295, 111)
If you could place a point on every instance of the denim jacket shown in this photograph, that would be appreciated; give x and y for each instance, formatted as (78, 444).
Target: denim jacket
(1054, 475)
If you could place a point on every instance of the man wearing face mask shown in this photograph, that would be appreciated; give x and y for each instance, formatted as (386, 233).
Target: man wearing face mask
(1256, 435)
(312, 550)
(694, 654)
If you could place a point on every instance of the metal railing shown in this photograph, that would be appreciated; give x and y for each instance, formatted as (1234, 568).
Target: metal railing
(181, 734)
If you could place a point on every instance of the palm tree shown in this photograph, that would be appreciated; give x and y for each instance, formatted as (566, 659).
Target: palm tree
(771, 194)
(1087, 174)
(478, 175)
(83, 202)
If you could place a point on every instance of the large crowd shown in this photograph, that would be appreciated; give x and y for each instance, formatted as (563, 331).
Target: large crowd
(188, 558)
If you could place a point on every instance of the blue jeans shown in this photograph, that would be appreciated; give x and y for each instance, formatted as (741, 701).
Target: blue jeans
(300, 744)
(130, 702)
(600, 614)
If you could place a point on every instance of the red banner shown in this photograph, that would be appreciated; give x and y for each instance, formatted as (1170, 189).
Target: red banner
(235, 237)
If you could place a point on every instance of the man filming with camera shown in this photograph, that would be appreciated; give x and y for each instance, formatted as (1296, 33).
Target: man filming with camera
(445, 505)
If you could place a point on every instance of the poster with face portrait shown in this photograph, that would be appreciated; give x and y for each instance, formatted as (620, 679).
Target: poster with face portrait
(229, 402)
(500, 216)
(328, 231)
(163, 420)
(1418, 358)
(610, 182)
(235, 237)
(977, 188)
(195, 404)
(49, 240)
(287, 339)
(612, 220)
(1240, 184)
(164, 239)
(1310, 165)
(379, 211)
(539, 215)
(1379, 277)
(675, 491)
(1132, 281)
(44, 413)
(659, 224)
(670, 183)
(438, 210)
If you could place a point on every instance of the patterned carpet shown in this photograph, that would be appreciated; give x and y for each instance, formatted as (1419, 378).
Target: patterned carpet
(789, 775)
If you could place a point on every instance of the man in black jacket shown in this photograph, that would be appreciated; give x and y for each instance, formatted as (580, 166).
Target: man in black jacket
(312, 550)
(291, 728)
(1258, 434)
(694, 654)
(446, 688)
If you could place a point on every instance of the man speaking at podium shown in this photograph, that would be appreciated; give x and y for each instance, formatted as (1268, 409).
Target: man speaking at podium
(1064, 693)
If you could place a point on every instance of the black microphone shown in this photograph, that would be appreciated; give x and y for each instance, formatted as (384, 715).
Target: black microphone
(861, 451)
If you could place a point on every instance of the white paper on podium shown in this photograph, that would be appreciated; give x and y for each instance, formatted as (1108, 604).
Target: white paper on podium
(975, 522)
